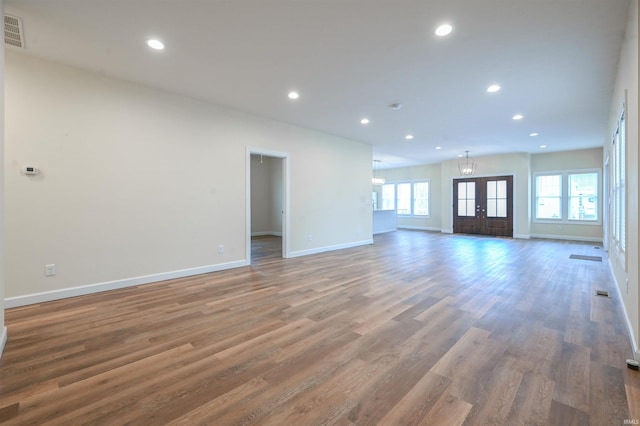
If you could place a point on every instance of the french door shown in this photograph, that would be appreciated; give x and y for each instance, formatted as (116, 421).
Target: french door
(483, 206)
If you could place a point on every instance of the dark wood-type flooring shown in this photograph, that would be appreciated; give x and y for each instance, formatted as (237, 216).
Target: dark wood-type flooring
(419, 328)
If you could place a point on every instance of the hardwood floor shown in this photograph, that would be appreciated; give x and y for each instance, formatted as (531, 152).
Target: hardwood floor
(419, 328)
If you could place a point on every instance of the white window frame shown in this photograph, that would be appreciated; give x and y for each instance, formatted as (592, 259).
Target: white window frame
(412, 209)
(564, 197)
(535, 197)
(618, 191)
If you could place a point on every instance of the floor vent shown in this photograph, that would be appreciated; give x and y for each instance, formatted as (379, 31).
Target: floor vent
(13, 31)
(582, 257)
(603, 293)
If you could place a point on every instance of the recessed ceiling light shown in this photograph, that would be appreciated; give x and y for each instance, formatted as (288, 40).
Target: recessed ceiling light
(438, 147)
(543, 146)
(460, 155)
(364, 121)
(518, 117)
(293, 95)
(493, 88)
(155, 44)
(409, 137)
(443, 30)
(533, 134)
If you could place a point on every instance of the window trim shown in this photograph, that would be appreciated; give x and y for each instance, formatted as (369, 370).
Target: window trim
(564, 197)
(618, 189)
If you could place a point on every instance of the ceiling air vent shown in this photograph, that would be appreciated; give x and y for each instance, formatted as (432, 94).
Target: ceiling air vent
(13, 31)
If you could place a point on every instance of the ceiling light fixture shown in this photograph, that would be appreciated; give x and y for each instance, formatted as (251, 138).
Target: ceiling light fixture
(493, 88)
(543, 146)
(468, 167)
(155, 44)
(438, 147)
(533, 134)
(518, 117)
(376, 180)
(293, 95)
(364, 121)
(409, 137)
(443, 30)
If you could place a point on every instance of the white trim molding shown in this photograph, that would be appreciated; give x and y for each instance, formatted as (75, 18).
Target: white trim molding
(330, 248)
(420, 228)
(632, 339)
(29, 299)
(567, 238)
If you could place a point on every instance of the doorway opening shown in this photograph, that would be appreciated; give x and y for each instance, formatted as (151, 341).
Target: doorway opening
(483, 206)
(267, 205)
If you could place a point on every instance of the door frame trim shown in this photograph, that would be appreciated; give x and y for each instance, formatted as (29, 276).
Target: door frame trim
(515, 200)
(286, 234)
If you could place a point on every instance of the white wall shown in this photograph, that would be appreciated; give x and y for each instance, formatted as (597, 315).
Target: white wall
(627, 83)
(139, 184)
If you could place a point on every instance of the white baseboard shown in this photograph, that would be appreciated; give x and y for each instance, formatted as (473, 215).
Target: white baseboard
(567, 237)
(522, 236)
(420, 228)
(3, 339)
(263, 233)
(447, 231)
(29, 299)
(330, 248)
(632, 338)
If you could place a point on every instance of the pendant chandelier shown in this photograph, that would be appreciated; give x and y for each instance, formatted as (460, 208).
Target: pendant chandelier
(376, 180)
(468, 167)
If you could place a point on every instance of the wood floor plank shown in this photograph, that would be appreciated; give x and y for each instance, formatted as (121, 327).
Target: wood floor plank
(533, 401)
(633, 397)
(418, 328)
(418, 402)
(573, 380)
(448, 410)
(608, 396)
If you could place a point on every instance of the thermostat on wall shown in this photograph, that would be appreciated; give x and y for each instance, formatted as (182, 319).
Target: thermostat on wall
(30, 170)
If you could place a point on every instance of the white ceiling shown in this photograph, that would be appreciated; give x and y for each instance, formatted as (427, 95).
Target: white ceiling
(556, 61)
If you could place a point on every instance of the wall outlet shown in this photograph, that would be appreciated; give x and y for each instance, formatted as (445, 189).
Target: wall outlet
(309, 237)
(49, 270)
(221, 248)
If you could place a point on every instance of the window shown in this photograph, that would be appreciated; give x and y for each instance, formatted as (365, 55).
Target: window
(404, 198)
(497, 198)
(570, 196)
(548, 197)
(583, 196)
(389, 196)
(421, 199)
(408, 198)
(466, 198)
